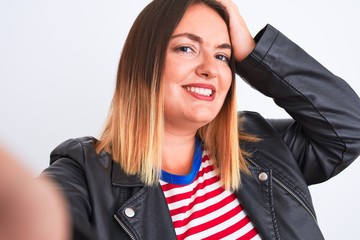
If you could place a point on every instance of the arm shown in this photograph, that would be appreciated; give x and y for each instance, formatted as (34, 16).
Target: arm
(67, 170)
(325, 134)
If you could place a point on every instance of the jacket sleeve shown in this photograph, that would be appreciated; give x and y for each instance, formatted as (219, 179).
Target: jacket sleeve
(66, 169)
(324, 135)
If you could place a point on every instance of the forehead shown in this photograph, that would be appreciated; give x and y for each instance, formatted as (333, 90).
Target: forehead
(205, 22)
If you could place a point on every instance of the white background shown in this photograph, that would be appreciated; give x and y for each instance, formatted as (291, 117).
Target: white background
(58, 62)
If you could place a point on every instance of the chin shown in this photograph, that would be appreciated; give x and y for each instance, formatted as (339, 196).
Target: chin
(204, 119)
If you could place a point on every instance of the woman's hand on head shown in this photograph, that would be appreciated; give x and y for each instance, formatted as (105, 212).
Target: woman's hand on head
(242, 41)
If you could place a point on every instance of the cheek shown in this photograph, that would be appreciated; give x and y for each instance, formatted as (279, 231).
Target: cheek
(169, 76)
(175, 72)
(226, 79)
(166, 73)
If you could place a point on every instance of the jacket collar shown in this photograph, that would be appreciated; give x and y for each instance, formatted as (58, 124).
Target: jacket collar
(121, 179)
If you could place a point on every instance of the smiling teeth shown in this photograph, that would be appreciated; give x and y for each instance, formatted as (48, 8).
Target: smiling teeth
(201, 91)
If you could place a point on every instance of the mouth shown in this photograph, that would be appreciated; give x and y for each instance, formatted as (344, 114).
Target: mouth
(203, 91)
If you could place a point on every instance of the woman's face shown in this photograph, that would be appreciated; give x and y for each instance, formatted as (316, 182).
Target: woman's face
(197, 75)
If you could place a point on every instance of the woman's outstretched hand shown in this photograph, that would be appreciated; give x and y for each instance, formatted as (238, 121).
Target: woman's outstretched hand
(30, 208)
(242, 41)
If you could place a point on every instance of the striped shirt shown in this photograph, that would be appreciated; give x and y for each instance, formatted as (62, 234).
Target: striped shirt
(201, 208)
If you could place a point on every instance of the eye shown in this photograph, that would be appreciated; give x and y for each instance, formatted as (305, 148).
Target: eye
(223, 58)
(184, 49)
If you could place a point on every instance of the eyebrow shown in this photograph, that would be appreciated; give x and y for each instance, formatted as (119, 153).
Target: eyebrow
(196, 38)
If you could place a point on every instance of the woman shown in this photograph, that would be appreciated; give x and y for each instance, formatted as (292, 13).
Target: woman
(173, 120)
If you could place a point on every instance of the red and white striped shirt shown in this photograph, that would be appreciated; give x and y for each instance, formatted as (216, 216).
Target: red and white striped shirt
(201, 208)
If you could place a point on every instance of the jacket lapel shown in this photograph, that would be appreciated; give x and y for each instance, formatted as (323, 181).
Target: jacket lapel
(145, 215)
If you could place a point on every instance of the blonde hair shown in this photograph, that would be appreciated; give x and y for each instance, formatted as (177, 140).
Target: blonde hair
(222, 138)
(134, 130)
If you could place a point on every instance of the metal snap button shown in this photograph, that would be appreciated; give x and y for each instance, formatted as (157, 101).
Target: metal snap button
(130, 212)
(263, 176)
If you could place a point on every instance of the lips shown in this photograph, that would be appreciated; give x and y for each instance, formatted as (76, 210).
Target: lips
(201, 91)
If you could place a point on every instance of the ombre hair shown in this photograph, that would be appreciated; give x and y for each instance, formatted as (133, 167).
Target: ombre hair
(134, 130)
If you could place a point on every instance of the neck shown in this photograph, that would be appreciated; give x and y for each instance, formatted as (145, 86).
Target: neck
(178, 152)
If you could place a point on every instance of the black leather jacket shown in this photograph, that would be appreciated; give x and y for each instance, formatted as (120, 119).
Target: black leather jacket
(321, 140)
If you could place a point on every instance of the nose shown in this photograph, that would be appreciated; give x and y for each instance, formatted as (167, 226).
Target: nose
(207, 68)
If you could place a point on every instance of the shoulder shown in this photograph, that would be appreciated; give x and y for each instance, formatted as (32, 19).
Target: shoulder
(253, 123)
(250, 114)
(79, 154)
(74, 148)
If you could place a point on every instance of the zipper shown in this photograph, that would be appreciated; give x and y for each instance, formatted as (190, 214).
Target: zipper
(124, 227)
(296, 197)
(288, 190)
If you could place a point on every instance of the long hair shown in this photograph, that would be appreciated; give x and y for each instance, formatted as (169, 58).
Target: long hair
(134, 130)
